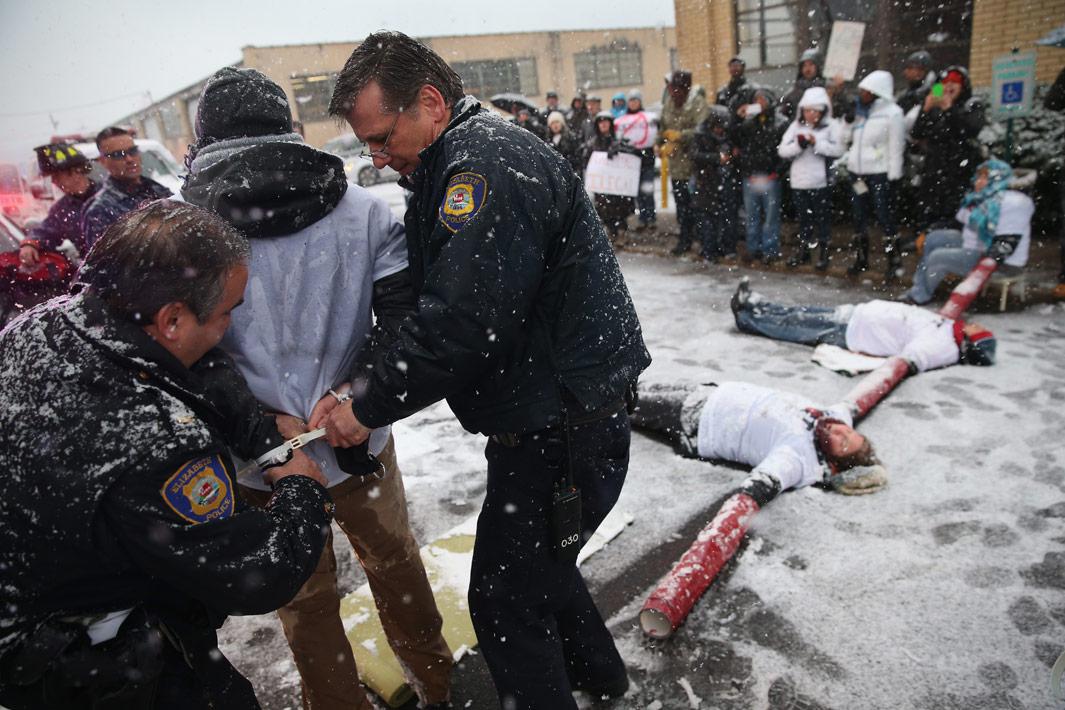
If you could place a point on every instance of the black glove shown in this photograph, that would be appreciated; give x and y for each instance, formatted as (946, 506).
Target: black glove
(1002, 246)
(612, 151)
(802, 141)
(849, 114)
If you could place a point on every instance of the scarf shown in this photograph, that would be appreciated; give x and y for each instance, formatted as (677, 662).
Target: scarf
(985, 205)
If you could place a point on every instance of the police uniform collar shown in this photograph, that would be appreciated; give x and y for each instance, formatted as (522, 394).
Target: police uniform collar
(125, 342)
(463, 109)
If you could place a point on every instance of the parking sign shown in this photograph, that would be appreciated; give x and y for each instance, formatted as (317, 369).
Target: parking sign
(1013, 84)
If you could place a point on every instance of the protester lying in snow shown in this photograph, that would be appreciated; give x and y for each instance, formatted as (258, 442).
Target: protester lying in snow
(790, 442)
(882, 328)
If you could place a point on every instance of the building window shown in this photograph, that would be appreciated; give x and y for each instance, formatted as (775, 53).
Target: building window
(486, 77)
(615, 65)
(312, 93)
(765, 30)
(171, 115)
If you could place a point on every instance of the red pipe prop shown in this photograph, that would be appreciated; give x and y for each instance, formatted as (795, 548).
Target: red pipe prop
(876, 385)
(670, 603)
(967, 291)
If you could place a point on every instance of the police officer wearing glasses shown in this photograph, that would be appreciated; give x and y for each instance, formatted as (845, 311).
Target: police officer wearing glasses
(524, 324)
(125, 188)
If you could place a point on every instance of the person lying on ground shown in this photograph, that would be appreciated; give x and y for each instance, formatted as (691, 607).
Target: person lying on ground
(881, 328)
(790, 441)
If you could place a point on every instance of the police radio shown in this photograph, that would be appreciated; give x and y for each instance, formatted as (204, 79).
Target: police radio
(565, 503)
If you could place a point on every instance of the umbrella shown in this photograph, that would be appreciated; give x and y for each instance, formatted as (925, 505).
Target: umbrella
(511, 103)
(1056, 38)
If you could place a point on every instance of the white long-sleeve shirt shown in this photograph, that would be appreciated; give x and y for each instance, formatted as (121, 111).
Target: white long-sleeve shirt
(764, 428)
(886, 328)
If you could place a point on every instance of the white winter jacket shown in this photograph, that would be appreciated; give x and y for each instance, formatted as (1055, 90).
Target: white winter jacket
(877, 141)
(764, 428)
(809, 165)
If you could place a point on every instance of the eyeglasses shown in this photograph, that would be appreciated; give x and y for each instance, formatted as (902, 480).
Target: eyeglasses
(383, 153)
(120, 154)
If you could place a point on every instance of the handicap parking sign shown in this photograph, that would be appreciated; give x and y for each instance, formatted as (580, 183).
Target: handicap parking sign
(1013, 92)
(1013, 81)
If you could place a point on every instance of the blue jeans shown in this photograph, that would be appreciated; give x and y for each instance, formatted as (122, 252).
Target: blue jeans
(717, 231)
(538, 628)
(763, 217)
(813, 208)
(878, 200)
(943, 254)
(808, 325)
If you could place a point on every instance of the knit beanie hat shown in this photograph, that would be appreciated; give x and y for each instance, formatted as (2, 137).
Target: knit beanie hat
(236, 103)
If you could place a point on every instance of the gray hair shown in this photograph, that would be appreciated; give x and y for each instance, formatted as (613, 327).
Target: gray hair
(401, 66)
(162, 253)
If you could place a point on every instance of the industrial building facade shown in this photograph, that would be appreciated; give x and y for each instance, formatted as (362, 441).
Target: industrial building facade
(599, 62)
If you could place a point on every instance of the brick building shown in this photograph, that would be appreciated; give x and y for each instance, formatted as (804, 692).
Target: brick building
(770, 34)
(532, 63)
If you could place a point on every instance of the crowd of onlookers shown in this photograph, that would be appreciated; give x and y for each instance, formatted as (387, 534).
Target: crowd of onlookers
(903, 159)
(906, 159)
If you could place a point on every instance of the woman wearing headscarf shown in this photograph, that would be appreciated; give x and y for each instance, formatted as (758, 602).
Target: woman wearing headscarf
(996, 222)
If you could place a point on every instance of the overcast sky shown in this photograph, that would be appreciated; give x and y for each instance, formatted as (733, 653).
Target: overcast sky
(89, 62)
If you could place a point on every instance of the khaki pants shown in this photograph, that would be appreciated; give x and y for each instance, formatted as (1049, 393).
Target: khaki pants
(373, 516)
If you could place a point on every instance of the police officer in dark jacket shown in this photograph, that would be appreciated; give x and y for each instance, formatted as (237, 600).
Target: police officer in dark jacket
(69, 170)
(122, 543)
(525, 325)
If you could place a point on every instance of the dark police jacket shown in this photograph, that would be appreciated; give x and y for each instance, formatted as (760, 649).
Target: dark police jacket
(514, 277)
(62, 223)
(113, 200)
(118, 490)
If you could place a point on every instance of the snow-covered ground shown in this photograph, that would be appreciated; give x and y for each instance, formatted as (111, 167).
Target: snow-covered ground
(942, 591)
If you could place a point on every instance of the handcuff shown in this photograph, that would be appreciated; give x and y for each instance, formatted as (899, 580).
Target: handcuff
(283, 454)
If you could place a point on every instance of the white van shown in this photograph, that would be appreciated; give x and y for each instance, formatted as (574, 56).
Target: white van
(156, 163)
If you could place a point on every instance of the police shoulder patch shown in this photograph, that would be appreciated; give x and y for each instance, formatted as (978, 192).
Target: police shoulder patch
(200, 491)
(464, 198)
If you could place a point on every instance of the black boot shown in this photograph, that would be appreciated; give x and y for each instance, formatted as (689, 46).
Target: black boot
(894, 260)
(861, 255)
(802, 256)
(822, 259)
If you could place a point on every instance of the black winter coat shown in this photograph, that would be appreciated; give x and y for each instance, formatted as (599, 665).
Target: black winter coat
(515, 278)
(118, 489)
(62, 223)
(727, 92)
(569, 147)
(710, 175)
(757, 139)
(948, 140)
